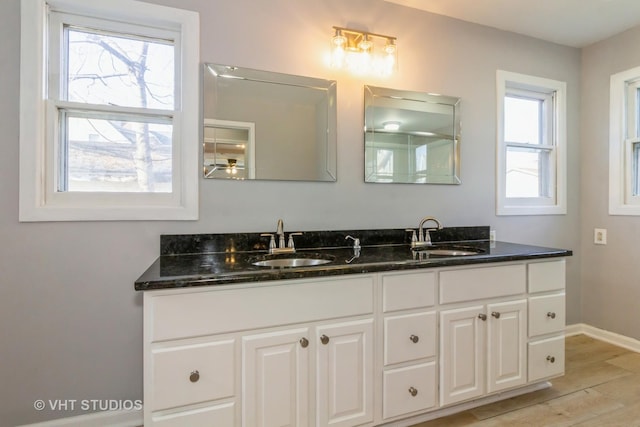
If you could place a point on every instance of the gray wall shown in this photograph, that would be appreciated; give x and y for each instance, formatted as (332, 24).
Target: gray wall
(71, 321)
(610, 274)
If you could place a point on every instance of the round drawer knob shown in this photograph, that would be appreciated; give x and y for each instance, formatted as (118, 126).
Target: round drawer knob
(551, 315)
(324, 339)
(413, 391)
(551, 359)
(194, 377)
(495, 314)
(304, 342)
(482, 316)
(414, 338)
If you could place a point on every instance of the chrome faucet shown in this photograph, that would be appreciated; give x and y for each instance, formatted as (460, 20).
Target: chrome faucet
(424, 236)
(281, 247)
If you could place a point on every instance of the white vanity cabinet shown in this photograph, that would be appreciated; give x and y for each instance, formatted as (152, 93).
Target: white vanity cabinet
(293, 353)
(483, 336)
(409, 376)
(388, 348)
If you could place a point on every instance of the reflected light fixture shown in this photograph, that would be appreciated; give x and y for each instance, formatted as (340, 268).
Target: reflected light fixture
(232, 166)
(363, 53)
(391, 126)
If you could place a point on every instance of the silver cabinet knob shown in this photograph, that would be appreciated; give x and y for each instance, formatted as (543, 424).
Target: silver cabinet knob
(495, 314)
(194, 376)
(551, 315)
(482, 316)
(413, 391)
(551, 359)
(414, 338)
(324, 339)
(304, 343)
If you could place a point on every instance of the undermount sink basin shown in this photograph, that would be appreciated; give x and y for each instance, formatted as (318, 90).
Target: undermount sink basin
(446, 251)
(292, 260)
(451, 252)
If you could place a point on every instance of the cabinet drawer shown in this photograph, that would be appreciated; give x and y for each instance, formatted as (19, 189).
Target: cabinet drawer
(220, 415)
(399, 385)
(174, 378)
(546, 358)
(406, 291)
(546, 276)
(546, 314)
(206, 312)
(409, 337)
(480, 283)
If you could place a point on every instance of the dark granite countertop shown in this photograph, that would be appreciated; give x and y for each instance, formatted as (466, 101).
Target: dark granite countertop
(187, 261)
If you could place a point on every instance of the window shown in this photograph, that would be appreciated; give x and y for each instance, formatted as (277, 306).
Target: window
(109, 119)
(531, 145)
(624, 143)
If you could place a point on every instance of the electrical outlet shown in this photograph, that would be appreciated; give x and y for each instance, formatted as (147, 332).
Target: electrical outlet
(492, 235)
(600, 236)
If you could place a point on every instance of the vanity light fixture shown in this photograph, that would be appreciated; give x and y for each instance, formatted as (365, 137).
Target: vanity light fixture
(363, 53)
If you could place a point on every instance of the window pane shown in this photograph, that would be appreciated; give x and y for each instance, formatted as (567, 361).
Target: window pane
(421, 158)
(384, 162)
(527, 172)
(637, 115)
(117, 70)
(635, 178)
(522, 120)
(102, 155)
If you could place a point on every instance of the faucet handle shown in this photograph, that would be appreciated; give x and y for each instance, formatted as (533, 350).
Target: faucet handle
(290, 244)
(414, 237)
(356, 241)
(272, 242)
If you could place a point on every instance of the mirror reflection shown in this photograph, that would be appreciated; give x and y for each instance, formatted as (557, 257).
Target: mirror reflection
(411, 137)
(264, 125)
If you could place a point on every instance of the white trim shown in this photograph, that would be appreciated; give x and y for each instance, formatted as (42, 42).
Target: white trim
(619, 171)
(603, 335)
(36, 163)
(98, 419)
(542, 205)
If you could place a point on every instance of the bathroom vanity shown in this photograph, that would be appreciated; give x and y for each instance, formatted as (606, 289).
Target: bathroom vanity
(380, 334)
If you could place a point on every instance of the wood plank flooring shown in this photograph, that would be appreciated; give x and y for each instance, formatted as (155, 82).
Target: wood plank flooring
(600, 388)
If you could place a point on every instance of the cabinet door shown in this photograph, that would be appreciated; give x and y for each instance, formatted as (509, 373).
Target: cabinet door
(462, 360)
(345, 373)
(507, 345)
(275, 379)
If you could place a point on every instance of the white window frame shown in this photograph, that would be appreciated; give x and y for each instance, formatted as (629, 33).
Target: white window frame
(623, 134)
(554, 94)
(39, 198)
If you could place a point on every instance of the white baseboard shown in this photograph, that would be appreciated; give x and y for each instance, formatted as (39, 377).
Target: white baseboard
(602, 335)
(131, 418)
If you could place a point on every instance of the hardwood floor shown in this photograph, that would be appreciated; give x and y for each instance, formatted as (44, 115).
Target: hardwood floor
(601, 387)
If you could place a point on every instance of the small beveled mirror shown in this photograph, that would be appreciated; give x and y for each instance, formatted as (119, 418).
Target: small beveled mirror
(270, 126)
(411, 137)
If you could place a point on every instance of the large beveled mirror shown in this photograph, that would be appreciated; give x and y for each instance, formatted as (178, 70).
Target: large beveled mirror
(411, 137)
(271, 126)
